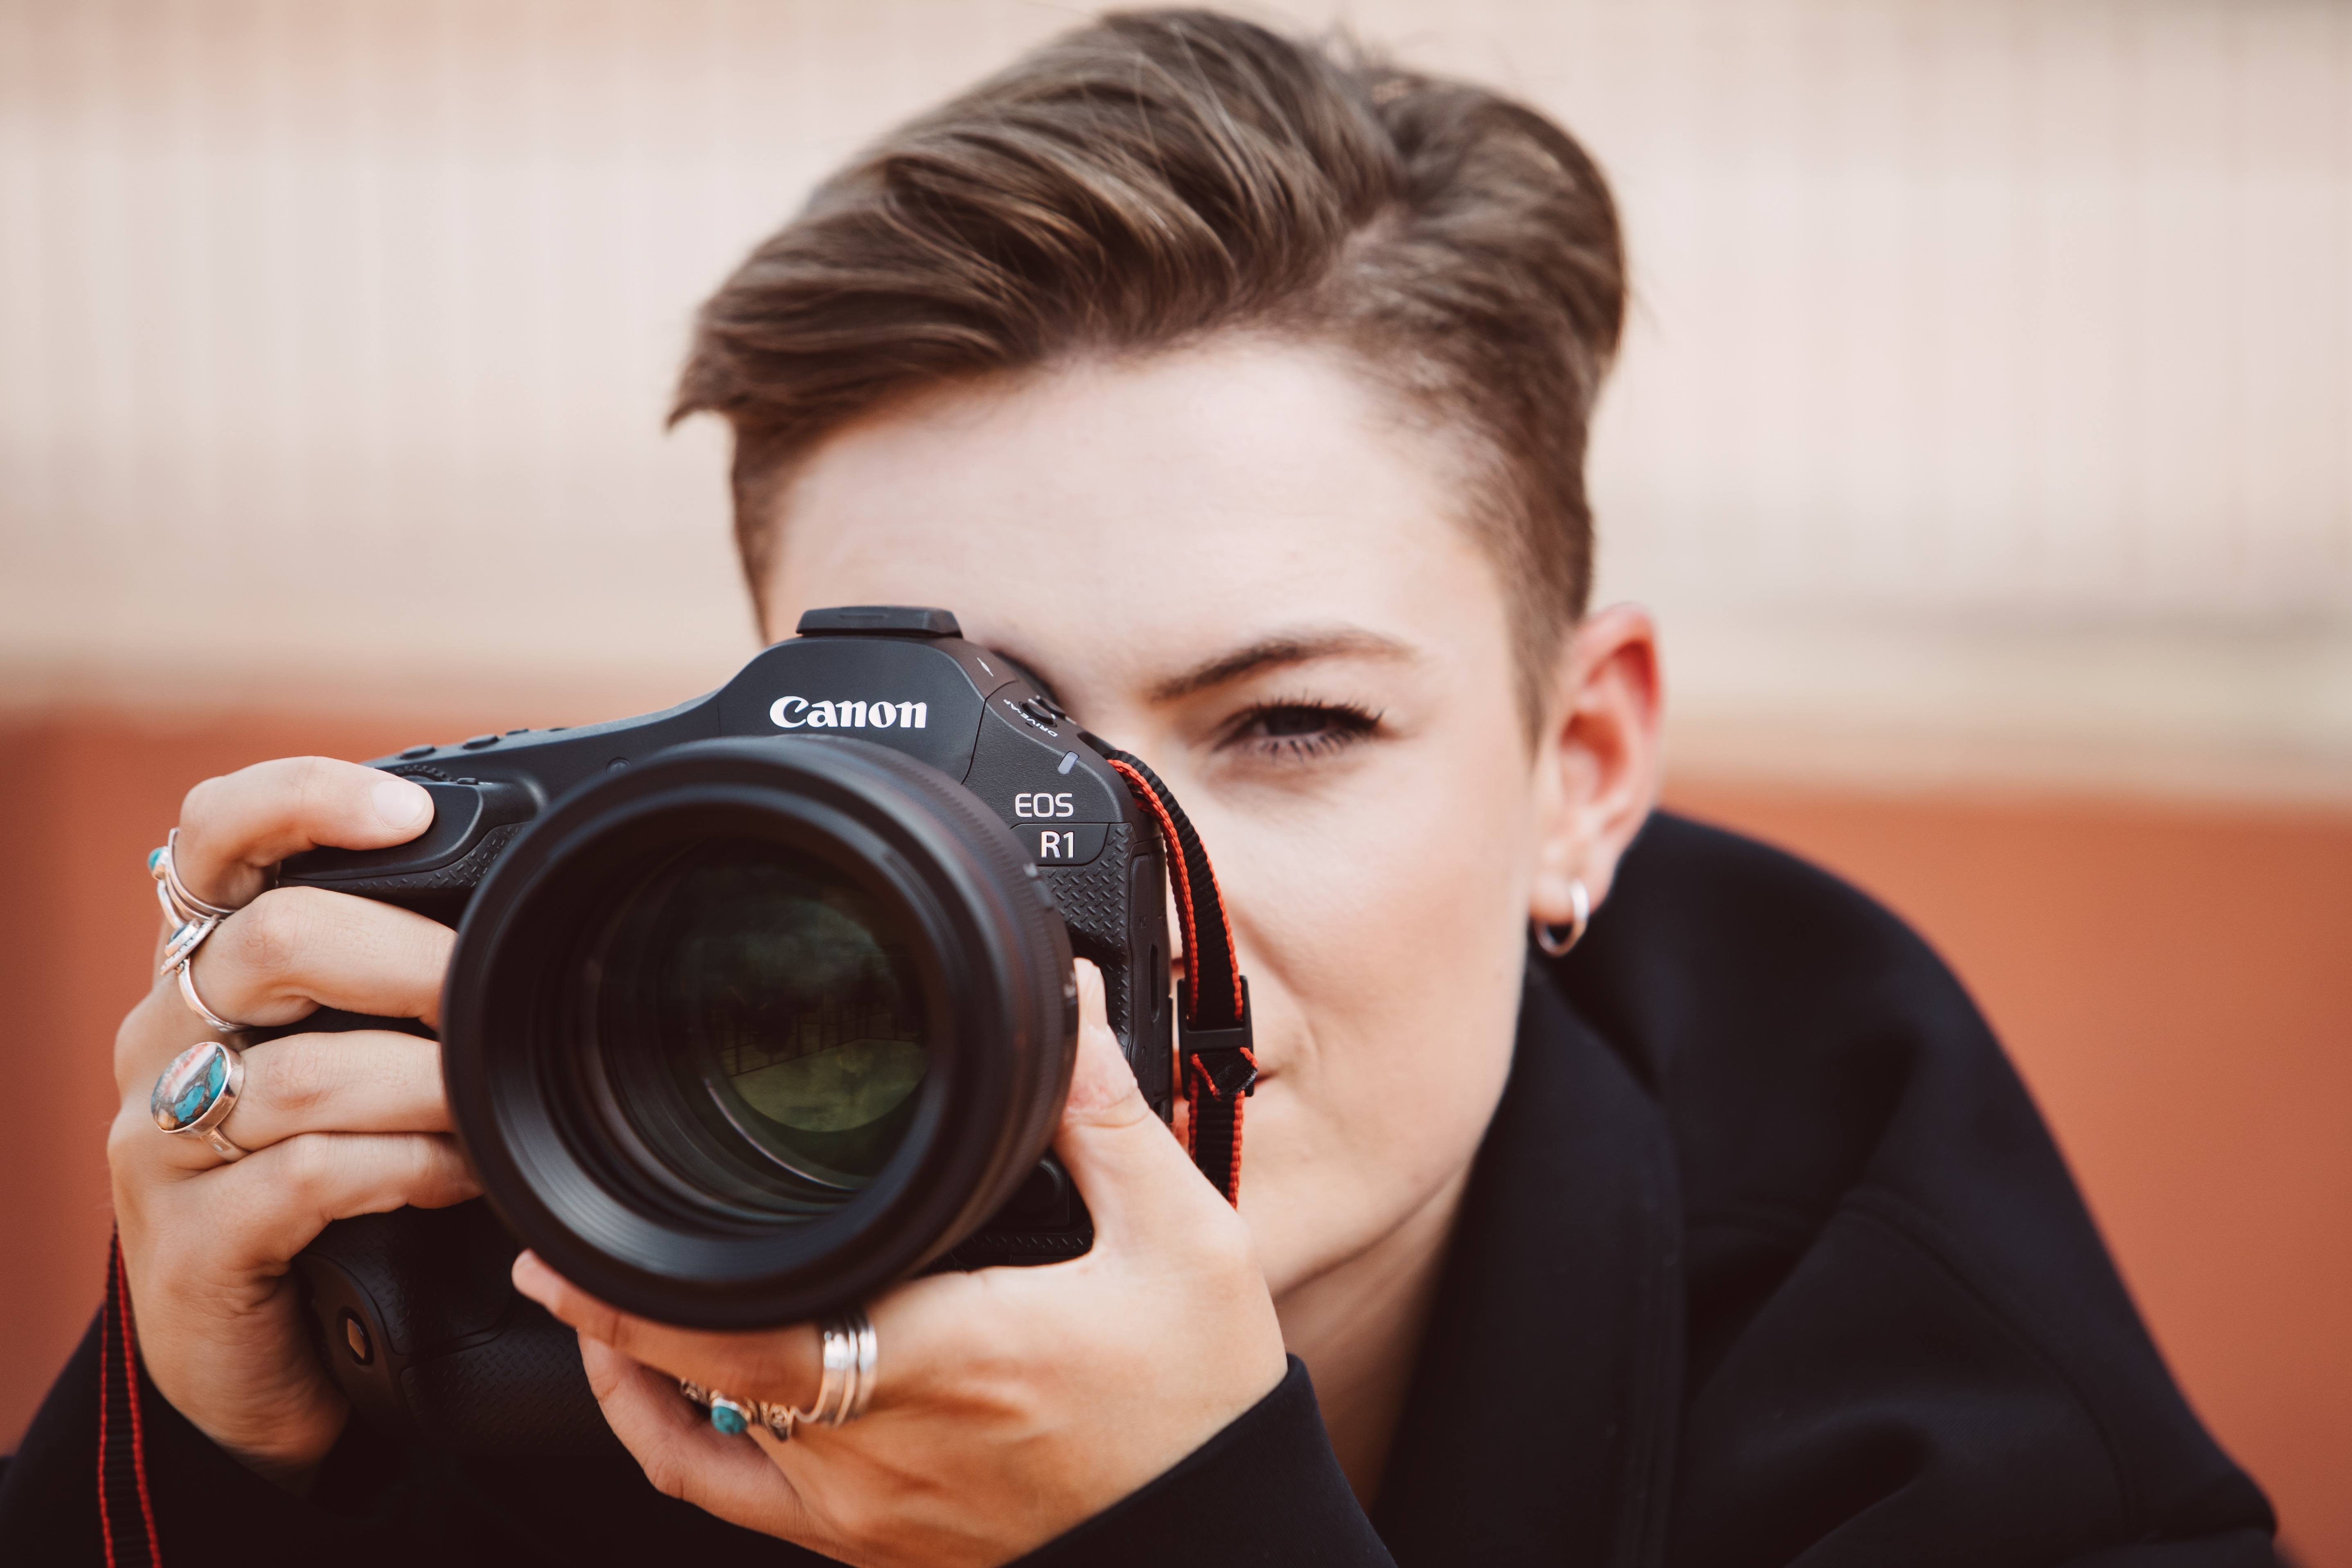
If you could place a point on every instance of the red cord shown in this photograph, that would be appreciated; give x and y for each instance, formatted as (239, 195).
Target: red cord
(138, 1426)
(1151, 798)
(116, 1317)
(105, 1514)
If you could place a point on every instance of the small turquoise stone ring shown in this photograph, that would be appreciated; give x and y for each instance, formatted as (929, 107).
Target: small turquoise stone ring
(194, 1095)
(732, 1417)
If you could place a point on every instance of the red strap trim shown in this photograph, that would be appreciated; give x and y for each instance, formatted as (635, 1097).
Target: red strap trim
(1196, 1079)
(115, 1324)
(1142, 790)
(138, 1421)
(1217, 901)
(1233, 1168)
(105, 1357)
(1217, 1152)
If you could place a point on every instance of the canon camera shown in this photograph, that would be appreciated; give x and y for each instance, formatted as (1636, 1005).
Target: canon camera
(758, 1005)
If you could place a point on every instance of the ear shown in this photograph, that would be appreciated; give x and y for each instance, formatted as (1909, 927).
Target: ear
(1597, 760)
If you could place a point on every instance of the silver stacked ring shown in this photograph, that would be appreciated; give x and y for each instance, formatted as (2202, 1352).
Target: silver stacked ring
(180, 906)
(850, 1350)
(192, 920)
(848, 1384)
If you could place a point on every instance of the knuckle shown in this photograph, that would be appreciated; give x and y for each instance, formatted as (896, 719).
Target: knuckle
(269, 933)
(308, 1163)
(853, 1517)
(1223, 1248)
(294, 1077)
(123, 1141)
(315, 780)
(200, 807)
(664, 1469)
(137, 1040)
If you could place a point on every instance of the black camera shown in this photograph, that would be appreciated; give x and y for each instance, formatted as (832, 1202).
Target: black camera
(758, 1006)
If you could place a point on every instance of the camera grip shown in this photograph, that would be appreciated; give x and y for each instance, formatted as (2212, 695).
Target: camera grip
(418, 1320)
(420, 1326)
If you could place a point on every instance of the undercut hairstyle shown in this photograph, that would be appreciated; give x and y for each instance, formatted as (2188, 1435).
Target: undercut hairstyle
(1159, 178)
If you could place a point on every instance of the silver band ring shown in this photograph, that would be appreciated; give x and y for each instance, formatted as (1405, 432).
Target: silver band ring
(192, 921)
(194, 1094)
(180, 906)
(849, 1355)
(186, 965)
(849, 1349)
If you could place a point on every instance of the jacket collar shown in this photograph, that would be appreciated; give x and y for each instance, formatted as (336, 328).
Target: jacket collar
(1540, 1422)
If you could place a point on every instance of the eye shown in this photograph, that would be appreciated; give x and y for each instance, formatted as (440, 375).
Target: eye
(1300, 730)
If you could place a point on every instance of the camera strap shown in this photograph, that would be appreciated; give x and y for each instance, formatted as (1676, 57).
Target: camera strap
(126, 1516)
(1213, 1017)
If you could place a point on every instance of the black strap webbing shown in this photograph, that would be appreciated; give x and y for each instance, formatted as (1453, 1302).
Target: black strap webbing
(1212, 1017)
(126, 1518)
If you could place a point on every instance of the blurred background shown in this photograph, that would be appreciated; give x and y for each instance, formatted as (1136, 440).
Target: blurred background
(1983, 440)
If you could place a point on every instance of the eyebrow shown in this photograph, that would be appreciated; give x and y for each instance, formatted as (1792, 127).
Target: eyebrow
(1274, 653)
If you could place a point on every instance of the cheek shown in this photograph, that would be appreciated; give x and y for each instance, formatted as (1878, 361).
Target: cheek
(1383, 934)
(1394, 894)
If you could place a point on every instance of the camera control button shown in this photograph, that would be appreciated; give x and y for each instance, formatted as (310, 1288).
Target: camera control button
(476, 742)
(1059, 844)
(413, 753)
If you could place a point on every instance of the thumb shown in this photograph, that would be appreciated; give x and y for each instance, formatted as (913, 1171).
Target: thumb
(1134, 1175)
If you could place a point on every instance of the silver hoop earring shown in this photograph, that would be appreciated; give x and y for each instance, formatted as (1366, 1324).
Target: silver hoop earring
(1547, 935)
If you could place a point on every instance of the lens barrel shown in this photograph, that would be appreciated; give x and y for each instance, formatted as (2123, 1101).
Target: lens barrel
(744, 1034)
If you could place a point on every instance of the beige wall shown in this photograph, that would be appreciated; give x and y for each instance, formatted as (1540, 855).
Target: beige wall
(1986, 412)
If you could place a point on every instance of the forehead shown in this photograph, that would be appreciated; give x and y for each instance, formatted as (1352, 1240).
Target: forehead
(1175, 500)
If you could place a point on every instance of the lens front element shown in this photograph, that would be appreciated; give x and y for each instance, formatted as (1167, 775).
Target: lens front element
(783, 998)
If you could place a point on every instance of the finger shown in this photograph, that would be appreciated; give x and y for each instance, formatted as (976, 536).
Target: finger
(273, 1203)
(682, 1454)
(1137, 1180)
(233, 829)
(367, 1081)
(295, 950)
(780, 1365)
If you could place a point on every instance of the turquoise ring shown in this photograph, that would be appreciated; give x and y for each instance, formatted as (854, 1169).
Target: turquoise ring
(731, 1417)
(195, 1093)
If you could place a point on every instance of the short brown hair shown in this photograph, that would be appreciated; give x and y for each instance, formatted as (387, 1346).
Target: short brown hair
(1163, 175)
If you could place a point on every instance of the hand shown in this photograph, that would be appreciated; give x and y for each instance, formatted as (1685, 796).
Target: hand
(1009, 1403)
(338, 1125)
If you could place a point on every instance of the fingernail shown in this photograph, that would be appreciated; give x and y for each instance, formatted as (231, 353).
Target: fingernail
(531, 1276)
(401, 804)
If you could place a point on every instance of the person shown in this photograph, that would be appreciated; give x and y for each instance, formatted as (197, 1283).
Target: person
(1241, 392)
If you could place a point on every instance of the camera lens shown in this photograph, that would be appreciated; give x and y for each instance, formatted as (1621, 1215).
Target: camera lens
(749, 1031)
(778, 1001)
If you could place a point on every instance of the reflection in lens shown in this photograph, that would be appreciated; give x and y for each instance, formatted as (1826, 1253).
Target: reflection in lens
(782, 999)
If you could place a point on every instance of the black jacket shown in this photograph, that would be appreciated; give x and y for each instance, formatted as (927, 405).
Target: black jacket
(1766, 1260)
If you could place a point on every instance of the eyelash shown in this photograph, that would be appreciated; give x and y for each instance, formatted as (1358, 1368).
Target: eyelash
(1340, 725)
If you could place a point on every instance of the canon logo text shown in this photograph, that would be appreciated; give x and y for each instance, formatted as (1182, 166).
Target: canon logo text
(799, 713)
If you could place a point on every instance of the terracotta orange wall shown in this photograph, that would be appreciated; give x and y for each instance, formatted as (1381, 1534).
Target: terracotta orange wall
(2176, 987)
(2175, 984)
